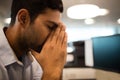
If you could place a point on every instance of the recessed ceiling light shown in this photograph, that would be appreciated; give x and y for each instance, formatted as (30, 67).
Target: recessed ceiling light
(84, 11)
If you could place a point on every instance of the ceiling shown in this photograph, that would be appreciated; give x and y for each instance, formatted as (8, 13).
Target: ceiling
(112, 5)
(78, 27)
(5, 8)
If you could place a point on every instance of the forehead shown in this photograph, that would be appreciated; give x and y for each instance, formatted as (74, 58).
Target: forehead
(50, 15)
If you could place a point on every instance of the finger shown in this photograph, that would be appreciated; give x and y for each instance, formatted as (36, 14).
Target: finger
(35, 54)
(64, 42)
(61, 37)
(61, 34)
(50, 36)
(56, 34)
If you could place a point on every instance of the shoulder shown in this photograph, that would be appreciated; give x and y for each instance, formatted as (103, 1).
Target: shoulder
(3, 72)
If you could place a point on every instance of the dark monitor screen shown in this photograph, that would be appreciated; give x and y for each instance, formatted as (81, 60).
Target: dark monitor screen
(106, 52)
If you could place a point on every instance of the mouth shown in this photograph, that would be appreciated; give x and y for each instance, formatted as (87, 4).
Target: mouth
(38, 49)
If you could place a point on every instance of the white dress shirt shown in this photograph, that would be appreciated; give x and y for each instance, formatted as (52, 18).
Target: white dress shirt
(11, 68)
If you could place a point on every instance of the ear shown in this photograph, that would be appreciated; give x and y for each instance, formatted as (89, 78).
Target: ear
(23, 17)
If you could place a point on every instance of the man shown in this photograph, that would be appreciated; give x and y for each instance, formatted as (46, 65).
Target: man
(33, 46)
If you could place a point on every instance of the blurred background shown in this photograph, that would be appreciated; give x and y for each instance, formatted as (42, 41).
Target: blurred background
(93, 28)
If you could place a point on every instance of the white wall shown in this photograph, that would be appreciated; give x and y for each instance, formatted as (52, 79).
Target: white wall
(1, 25)
(89, 53)
(77, 30)
(80, 33)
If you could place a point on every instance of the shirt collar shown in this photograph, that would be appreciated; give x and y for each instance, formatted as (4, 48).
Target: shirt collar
(7, 55)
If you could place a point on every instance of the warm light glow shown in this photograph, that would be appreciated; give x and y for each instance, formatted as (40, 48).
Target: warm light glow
(7, 21)
(85, 11)
(89, 21)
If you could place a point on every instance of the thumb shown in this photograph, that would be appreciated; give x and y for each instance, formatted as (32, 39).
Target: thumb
(35, 54)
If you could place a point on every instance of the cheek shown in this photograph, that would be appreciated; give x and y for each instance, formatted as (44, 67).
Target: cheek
(42, 36)
(41, 33)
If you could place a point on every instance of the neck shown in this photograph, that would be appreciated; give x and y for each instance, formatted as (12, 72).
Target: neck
(11, 36)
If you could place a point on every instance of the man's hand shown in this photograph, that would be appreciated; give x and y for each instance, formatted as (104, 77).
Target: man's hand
(53, 55)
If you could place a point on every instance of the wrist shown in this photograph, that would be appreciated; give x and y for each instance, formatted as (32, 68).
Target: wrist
(52, 74)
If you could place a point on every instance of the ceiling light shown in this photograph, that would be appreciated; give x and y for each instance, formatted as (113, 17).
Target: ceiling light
(70, 49)
(7, 21)
(103, 12)
(118, 21)
(84, 11)
(89, 21)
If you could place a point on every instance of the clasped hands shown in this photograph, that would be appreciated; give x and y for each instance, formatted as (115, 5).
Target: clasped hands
(53, 54)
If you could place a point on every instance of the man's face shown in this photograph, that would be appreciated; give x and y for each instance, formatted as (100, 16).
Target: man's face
(37, 33)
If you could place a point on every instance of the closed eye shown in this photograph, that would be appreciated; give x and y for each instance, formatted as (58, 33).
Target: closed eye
(52, 27)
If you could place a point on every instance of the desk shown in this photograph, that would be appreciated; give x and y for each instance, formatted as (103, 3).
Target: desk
(89, 74)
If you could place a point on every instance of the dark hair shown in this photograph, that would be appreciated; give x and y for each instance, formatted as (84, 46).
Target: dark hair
(34, 7)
